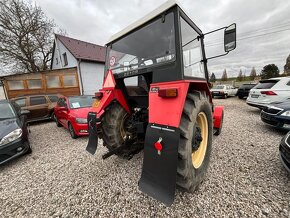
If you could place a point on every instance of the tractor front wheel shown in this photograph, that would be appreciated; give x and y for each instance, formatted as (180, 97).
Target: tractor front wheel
(196, 127)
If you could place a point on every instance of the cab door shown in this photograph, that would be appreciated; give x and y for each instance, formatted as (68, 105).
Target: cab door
(38, 107)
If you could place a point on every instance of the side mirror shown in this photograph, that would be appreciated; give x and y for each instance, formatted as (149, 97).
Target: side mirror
(230, 38)
(62, 108)
(24, 112)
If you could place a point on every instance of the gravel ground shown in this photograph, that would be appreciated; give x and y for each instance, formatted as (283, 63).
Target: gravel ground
(60, 179)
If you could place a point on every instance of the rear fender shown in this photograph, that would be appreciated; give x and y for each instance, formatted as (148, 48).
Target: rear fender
(109, 94)
(218, 116)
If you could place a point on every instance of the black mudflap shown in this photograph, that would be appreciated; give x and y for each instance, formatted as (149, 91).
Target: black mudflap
(93, 136)
(158, 177)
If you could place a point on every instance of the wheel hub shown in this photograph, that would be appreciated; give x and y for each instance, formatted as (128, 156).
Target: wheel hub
(197, 140)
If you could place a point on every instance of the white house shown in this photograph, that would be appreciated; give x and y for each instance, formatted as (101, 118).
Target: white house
(87, 57)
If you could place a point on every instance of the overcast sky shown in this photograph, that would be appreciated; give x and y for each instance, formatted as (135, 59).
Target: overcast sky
(263, 26)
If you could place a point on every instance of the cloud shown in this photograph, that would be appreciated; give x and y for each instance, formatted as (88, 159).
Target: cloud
(96, 20)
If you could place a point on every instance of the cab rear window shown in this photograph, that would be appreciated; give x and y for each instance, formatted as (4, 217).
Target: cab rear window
(266, 84)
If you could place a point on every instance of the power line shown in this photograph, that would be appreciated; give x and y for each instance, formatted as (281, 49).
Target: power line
(249, 37)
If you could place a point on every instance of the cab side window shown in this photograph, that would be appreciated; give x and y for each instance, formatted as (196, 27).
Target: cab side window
(61, 102)
(21, 102)
(37, 100)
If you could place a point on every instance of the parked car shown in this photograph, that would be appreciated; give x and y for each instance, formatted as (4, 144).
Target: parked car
(268, 91)
(277, 114)
(284, 151)
(13, 131)
(244, 90)
(72, 112)
(223, 91)
(40, 106)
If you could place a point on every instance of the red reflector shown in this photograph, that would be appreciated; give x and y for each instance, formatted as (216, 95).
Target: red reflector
(167, 93)
(268, 93)
(98, 95)
(158, 146)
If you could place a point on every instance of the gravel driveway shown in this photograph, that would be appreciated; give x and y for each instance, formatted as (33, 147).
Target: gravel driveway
(60, 179)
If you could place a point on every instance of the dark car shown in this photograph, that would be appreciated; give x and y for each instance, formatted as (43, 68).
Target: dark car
(277, 114)
(41, 107)
(284, 151)
(13, 131)
(244, 90)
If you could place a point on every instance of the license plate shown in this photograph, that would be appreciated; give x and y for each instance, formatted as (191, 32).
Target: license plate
(255, 96)
(215, 92)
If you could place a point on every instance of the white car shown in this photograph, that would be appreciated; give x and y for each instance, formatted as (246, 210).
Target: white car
(268, 91)
(223, 91)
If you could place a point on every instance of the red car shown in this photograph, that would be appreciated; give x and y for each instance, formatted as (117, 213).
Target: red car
(71, 113)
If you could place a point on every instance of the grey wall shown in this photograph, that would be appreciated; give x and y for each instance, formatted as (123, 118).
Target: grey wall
(92, 76)
(2, 94)
(92, 73)
(58, 51)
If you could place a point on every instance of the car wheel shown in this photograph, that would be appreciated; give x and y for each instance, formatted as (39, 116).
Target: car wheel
(52, 116)
(29, 151)
(57, 122)
(72, 131)
(240, 97)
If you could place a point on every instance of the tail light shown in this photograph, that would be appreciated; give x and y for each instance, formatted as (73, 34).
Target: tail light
(98, 95)
(268, 93)
(168, 93)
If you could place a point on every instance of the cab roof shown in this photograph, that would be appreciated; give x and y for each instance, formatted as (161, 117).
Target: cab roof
(162, 8)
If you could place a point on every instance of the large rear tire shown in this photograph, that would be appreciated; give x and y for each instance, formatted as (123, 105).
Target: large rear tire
(196, 127)
(114, 127)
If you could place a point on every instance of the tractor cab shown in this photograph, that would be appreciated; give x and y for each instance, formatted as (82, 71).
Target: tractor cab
(162, 47)
(156, 97)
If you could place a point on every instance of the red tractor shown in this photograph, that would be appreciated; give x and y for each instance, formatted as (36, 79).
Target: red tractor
(156, 97)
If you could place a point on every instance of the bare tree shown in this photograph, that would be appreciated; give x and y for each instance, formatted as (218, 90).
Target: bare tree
(253, 73)
(240, 76)
(26, 37)
(225, 75)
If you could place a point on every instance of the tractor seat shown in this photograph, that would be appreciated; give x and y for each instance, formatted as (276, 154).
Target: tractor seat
(136, 91)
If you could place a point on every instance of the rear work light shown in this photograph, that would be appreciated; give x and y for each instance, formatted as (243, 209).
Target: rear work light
(168, 93)
(268, 93)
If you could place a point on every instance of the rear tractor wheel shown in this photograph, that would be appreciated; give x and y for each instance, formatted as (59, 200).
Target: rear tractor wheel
(116, 128)
(196, 127)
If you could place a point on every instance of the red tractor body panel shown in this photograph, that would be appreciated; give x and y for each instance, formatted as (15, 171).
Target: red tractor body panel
(168, 111)
(218, 116)
(110, 93)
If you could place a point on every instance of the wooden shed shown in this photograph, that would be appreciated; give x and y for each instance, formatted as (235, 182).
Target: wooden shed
(62, 81)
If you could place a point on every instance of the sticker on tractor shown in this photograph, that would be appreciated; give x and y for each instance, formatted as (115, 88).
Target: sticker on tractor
(154, 89)
(112, 61)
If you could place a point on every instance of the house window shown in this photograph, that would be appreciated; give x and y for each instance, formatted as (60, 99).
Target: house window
(34, 84)
(65, 59)
(15, 84)
(56, 61)
(69, 81)
(52, 82)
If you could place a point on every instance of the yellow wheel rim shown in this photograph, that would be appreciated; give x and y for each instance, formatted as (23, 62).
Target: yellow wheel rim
(199, 154)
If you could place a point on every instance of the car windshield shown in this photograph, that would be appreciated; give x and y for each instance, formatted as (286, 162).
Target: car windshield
(7, 111)
(80, 101)
(266, 84)
(218, 87)
(247, 86)
(150, 45)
